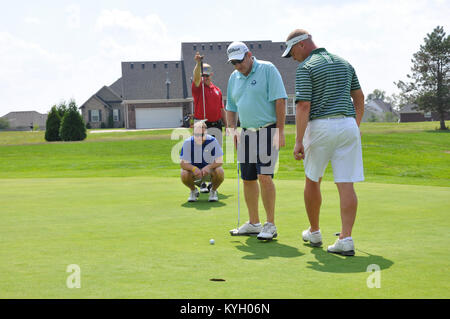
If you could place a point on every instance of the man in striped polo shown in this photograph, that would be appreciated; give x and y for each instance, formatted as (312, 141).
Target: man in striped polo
(329, 109)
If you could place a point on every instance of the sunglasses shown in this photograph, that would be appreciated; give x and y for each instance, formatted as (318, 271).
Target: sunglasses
(234, 62)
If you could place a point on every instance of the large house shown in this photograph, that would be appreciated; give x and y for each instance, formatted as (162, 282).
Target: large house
(157, 94)
(377, 109)
(26, 120)
(409, 113)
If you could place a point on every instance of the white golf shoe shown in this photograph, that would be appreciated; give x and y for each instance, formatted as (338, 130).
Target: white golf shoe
(193, 196)
(204, 188)
(343, 247)
(315, 239)
(268, 232)
(213, 196)
(247, 229)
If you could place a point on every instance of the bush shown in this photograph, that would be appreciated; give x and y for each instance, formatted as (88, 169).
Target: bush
(73, 127)
(4, 123)
(52, 126)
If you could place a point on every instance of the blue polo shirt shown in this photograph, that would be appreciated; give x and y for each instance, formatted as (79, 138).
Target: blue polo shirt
(201, 155)
(254, 96)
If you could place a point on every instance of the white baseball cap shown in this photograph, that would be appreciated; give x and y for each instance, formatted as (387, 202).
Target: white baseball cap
(292, 42)
(236, 51)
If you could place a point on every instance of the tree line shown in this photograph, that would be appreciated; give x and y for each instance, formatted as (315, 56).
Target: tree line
(427, 86)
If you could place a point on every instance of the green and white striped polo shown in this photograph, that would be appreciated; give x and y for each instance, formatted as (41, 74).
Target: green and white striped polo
(326, 80)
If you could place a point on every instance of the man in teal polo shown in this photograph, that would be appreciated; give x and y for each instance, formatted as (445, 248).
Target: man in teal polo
(329, 109)
(257, 95)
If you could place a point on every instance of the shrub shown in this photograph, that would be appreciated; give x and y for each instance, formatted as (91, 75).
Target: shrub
(73, 127)
(52, 126)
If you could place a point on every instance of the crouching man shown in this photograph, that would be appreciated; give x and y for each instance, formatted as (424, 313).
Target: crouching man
(201, 161)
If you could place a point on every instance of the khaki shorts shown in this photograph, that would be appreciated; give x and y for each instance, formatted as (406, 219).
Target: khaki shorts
(337, 140)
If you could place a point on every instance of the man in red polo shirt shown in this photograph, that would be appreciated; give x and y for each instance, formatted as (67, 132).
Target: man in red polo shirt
(204, 91)
(203, 88)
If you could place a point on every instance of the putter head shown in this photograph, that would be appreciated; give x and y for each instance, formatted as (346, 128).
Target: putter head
(234, 232)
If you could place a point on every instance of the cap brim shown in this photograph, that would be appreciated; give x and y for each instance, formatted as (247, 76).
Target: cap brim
(287, 52)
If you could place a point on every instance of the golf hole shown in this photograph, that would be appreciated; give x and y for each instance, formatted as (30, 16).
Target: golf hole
(216, 279)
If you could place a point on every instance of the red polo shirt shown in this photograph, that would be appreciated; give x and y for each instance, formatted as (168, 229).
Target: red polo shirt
(213, 102)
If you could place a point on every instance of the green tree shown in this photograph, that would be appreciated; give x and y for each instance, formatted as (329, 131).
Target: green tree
(4, 123)
(62, 108)
(72, 127)
(376, 95)
(52, 126)
(429, 81)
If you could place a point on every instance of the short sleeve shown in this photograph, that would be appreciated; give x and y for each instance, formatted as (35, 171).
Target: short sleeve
(231, 105)
(276, 88)
(303, 85)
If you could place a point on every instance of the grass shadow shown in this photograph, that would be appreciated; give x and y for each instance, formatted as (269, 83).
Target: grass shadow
(333, 263)
(203, 204)
(258, 249)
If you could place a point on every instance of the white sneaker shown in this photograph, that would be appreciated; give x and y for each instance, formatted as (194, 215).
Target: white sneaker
(213, 196)
(315, 240)
(193, 196)
(268, 232)
(204, 188)
(246, 229)
(343, 247)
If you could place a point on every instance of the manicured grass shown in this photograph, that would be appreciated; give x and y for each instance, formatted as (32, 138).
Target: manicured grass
(114, 205)
(410, 153)
(137, 237)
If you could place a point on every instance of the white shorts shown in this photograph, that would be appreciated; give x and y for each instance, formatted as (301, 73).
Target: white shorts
(337, 140)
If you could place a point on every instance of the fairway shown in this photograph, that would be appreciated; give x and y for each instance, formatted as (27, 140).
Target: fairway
(137, 237)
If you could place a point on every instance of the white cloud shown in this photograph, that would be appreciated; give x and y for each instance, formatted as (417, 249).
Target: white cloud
(32, 77)
(130, 37)
(73, 16)
(32, 20)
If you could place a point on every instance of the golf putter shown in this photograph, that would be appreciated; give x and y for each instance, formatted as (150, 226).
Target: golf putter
(203, 91)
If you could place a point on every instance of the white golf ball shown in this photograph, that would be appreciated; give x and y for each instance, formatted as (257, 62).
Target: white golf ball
(211, 241)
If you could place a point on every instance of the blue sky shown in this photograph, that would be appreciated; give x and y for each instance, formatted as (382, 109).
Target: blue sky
(55, 50)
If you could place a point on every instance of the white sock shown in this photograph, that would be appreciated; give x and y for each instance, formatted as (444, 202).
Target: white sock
(315, 232)
(346, 238)
(259, 224)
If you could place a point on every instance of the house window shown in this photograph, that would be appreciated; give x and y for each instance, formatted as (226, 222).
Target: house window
(116, 115)
(154, 65)
(219, 47)
(176, 65)
(195, 48)
(251, 46)
(203, 47)
(95, 116)
(210, 46)
(143, 66)
(290, 107)
(132, 66)
(427, 114)
(259, 46)
(165, 65)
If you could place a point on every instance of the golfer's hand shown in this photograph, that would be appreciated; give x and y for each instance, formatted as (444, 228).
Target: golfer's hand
(279, 139)
(198, 173)
(198, 58)
(206, 170)
(299, 151)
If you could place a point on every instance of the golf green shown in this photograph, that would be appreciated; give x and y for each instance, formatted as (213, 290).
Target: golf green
(137, 237)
